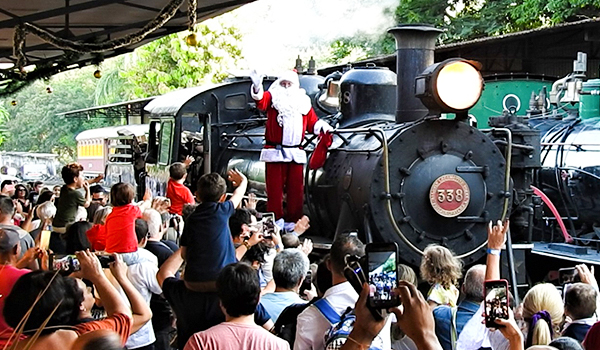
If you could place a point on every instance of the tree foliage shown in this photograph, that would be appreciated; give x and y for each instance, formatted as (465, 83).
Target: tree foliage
(161, 66)
(170, 63)
(469, 19)
(33, 124)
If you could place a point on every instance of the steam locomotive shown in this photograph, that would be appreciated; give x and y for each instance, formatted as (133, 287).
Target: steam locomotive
(405, 165)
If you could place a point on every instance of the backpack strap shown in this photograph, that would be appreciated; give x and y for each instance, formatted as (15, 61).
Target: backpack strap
(327, 311)
(453, 332)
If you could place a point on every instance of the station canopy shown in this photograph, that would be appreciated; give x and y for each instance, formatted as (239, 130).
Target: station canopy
(50, 27)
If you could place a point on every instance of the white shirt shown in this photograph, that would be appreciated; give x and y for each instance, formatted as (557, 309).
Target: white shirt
(312, 325)
(143, 277)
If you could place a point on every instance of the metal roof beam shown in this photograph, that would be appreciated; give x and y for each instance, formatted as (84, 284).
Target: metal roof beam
(57, 12)
(179, 14)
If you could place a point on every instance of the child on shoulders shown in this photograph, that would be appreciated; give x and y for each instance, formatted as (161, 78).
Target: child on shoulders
(120, 223)
(442, 270)
(177, 192)
(206, 242)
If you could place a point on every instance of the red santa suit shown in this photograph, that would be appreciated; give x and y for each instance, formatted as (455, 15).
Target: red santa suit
(289, 116)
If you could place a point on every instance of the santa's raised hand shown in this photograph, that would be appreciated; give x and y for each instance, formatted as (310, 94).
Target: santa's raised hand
(256, 78)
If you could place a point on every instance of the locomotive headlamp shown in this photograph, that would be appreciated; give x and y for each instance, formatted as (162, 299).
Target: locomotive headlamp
(451, 86)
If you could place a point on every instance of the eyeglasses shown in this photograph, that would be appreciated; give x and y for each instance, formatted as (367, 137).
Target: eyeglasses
(22, 190)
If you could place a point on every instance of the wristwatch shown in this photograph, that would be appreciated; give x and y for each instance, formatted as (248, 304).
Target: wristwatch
(247, 245)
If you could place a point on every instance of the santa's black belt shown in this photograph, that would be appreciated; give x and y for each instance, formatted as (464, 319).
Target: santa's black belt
(277, 145)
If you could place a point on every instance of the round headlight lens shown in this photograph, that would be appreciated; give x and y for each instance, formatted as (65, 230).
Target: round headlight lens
(459, 85)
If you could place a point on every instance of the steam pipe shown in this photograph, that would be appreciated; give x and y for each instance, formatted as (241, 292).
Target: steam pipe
(414, 52)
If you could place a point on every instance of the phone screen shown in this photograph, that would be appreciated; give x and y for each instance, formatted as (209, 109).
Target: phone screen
(268, 227)
(496, 302)
(568, 275)
(45, 239)
(382, 278)
(64, 263)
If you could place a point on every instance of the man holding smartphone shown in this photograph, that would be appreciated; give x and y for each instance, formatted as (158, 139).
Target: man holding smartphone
(312, 322)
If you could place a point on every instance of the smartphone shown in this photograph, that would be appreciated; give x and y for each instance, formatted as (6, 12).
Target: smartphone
(268, 225)
(382, 262)
(496, 302)
(568, 275)
(67, 263)
(105, 260)
(45, 239)
(306, 284)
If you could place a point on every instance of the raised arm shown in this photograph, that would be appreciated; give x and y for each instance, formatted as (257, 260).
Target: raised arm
(496, 240)
(170, 267)
(139, 308)
(91, 270)
(240, 181)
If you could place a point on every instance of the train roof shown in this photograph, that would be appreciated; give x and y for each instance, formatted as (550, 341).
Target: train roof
(88, 21)
(171, 102)
(112, 131)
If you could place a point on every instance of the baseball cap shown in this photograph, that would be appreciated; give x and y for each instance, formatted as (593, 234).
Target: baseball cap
(8, 240)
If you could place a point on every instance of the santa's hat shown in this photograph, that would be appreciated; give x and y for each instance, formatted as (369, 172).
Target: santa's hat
(290, 76)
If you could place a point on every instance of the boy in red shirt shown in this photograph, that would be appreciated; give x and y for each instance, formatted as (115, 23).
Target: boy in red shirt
(177, 192)
(120, 223)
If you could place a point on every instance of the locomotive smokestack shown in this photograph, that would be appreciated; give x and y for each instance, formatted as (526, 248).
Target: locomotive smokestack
(414, 53)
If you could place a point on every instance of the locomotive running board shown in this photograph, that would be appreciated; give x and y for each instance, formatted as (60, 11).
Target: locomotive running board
(568, 252)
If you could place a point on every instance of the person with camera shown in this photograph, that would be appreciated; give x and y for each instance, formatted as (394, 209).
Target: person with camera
(244, 231)
(11, 268)
(49, 303)
(312, 324)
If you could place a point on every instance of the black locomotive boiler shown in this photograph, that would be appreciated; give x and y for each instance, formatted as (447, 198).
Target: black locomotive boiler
(395, 171)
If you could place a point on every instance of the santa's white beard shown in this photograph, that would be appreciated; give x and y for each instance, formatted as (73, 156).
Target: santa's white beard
(290, 102)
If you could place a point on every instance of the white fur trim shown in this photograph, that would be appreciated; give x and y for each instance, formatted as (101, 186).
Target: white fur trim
(284, 155)
(259, 95)
(321, 126)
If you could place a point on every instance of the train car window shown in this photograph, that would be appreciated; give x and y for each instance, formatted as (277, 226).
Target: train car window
(152, 151)
(166, 135)
(190, 122)
(235, 101)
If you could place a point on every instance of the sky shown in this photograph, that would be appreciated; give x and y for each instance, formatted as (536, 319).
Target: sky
(275, 32)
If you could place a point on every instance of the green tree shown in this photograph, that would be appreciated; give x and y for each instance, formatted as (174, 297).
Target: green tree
(33, 124)
(4, 117)
(470, 19)
(170, 63)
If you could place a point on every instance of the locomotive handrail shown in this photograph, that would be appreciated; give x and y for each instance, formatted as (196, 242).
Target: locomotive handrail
(386, 176)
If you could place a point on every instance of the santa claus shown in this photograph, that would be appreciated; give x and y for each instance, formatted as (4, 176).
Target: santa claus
(289, 116)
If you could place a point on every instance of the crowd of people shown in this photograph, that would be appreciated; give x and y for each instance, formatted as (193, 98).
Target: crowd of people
(84, 267)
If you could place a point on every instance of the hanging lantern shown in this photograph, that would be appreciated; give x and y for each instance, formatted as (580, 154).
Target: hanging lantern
(49, 89)
(191, 39)
(13, 102)
(98, 74)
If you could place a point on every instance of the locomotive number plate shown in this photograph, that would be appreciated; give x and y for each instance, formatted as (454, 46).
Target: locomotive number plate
(449, 195)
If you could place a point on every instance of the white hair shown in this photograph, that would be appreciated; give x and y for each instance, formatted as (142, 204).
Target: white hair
(154, 220)
(46, 211)
(101, 214)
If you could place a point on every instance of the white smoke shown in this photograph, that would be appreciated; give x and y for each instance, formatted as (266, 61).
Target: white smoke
(275, 32)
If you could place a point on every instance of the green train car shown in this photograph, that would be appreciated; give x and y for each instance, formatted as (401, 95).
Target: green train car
(508, 92)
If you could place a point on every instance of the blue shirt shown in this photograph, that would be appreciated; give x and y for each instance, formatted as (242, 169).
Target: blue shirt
(275, 302)
(443, 321)
(208, 242)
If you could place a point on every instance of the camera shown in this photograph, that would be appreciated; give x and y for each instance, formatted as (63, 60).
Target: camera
(70, 263)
